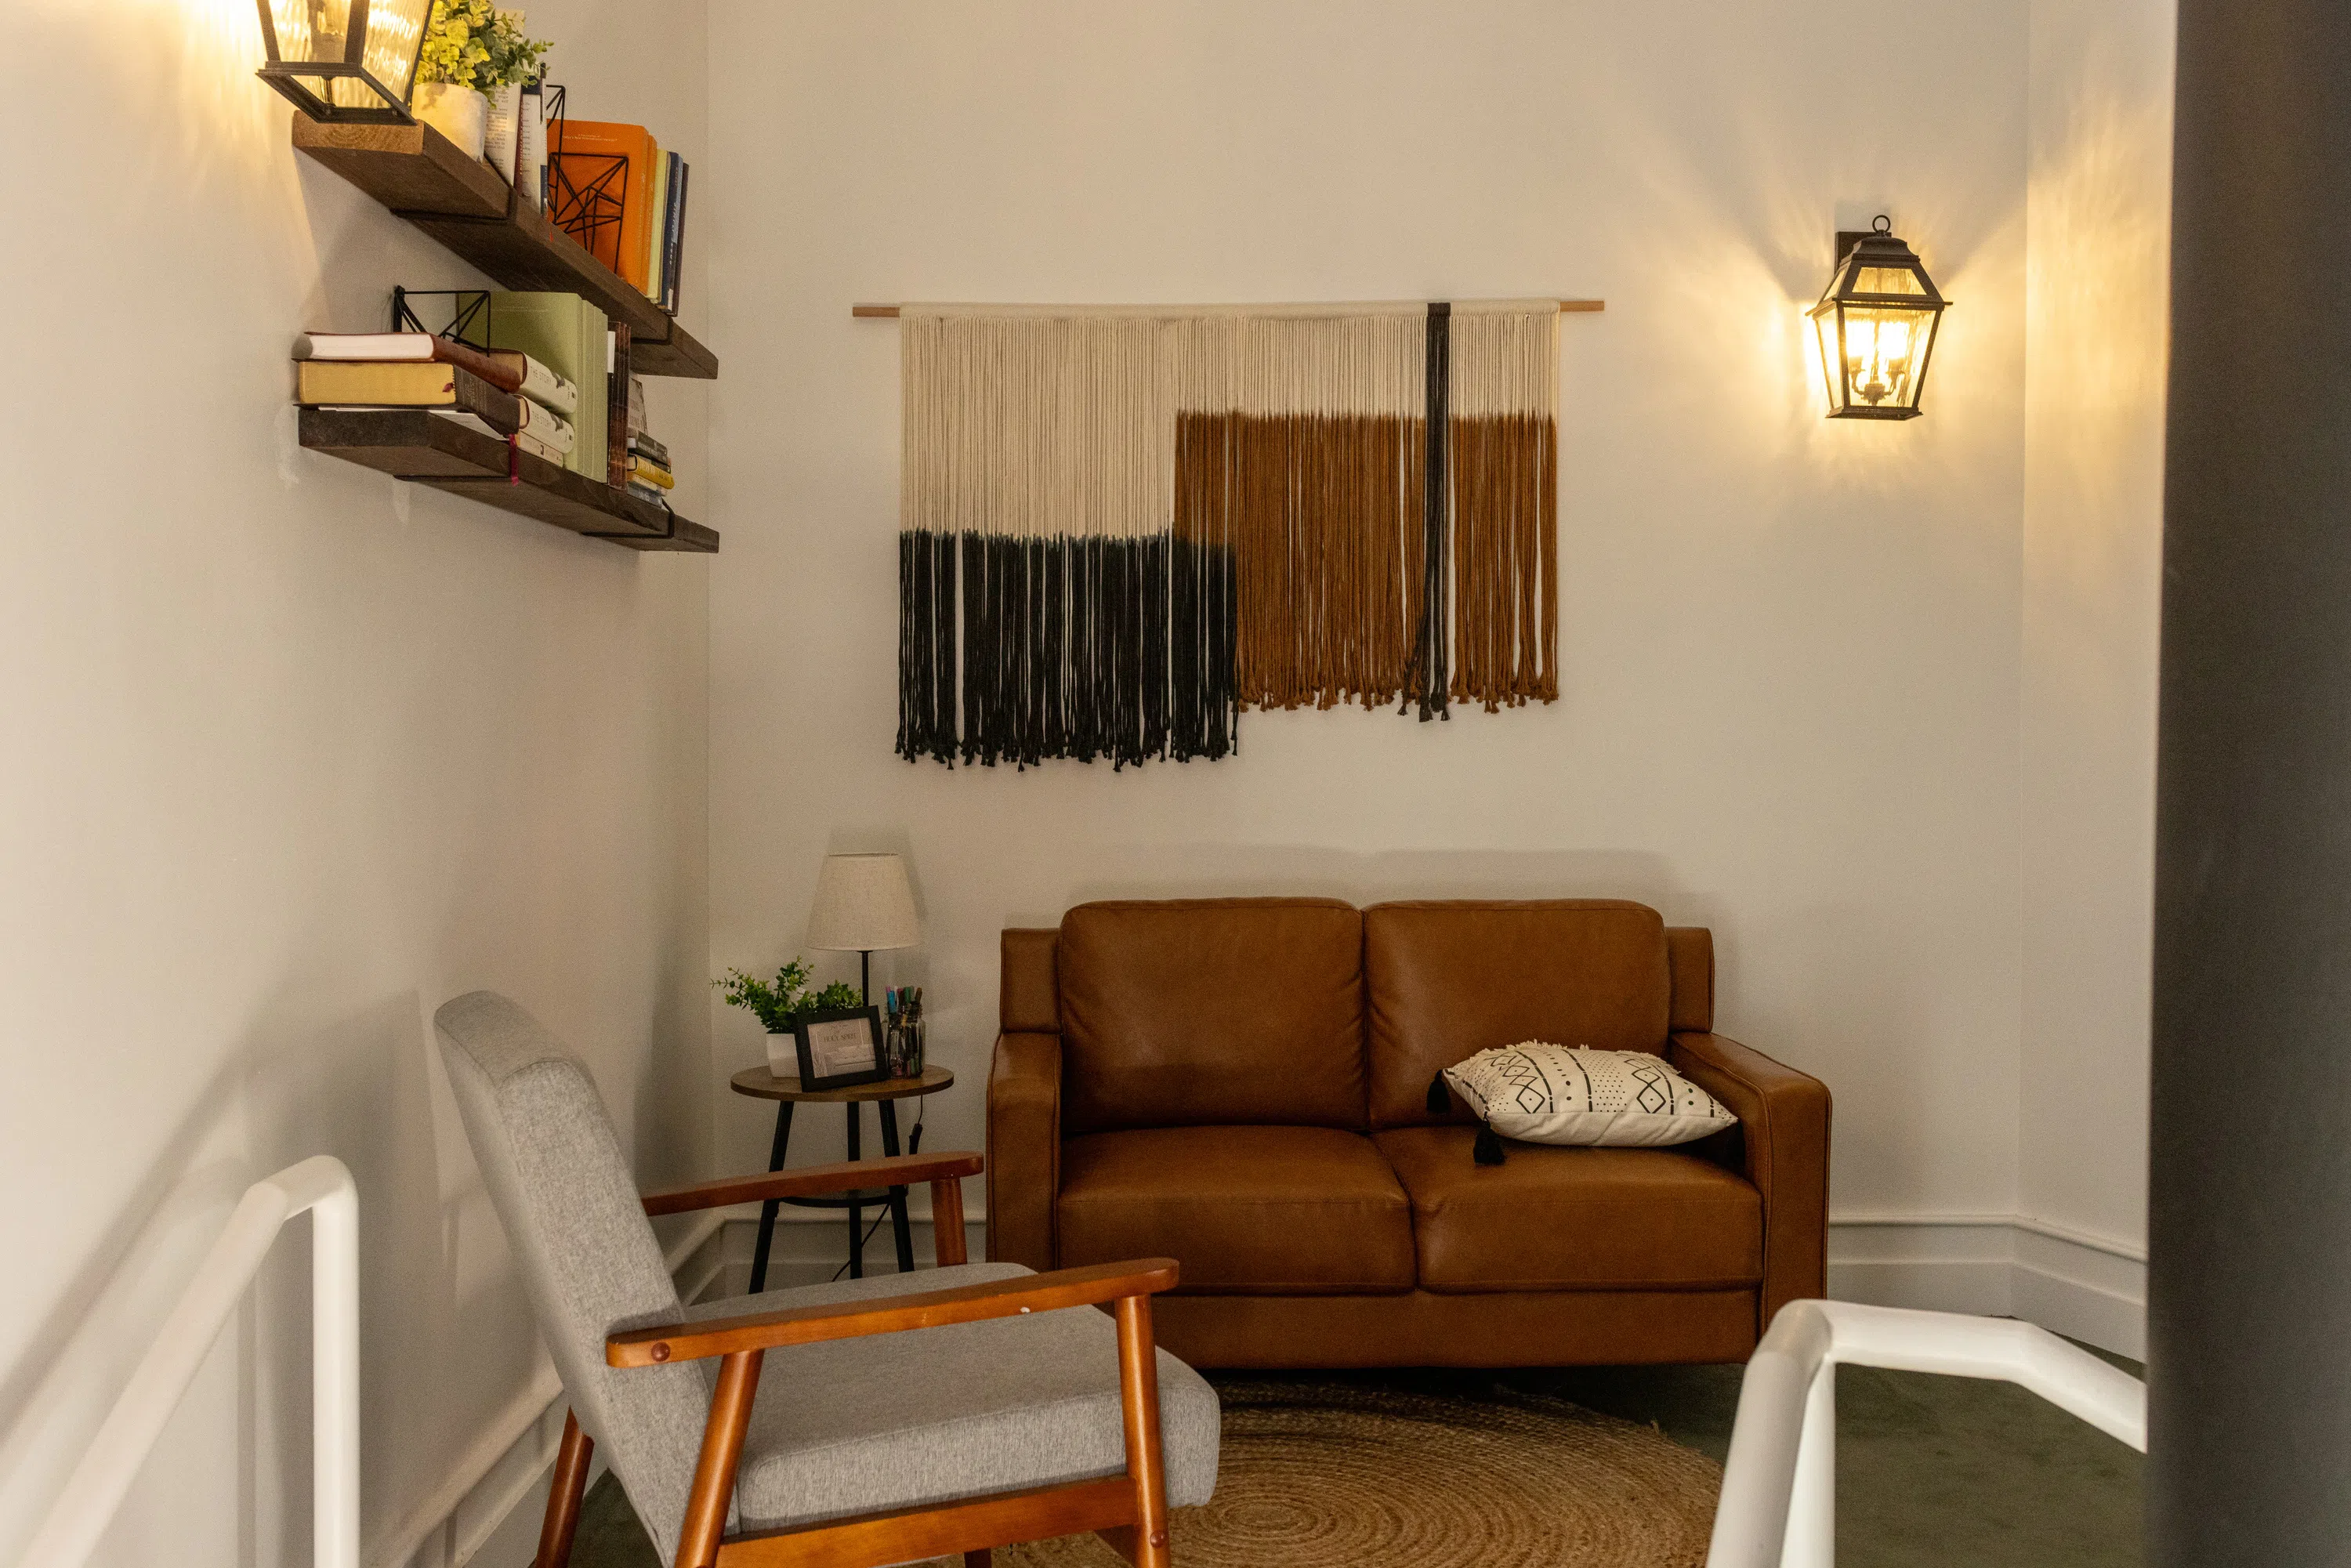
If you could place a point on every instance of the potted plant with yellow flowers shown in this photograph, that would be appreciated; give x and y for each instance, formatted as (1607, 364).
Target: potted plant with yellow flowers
(470, 77)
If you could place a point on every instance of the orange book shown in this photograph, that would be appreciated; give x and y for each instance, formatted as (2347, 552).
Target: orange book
(604, 192)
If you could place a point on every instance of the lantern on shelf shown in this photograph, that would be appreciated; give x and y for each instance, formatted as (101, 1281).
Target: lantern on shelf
(1877, 325)
(346, 61)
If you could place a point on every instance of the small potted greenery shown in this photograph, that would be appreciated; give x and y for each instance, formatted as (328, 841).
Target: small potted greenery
(776, 1002)
(470, 77)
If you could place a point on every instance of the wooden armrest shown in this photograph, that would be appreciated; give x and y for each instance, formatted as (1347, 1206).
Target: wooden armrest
(892, 1315)
(813, 1181)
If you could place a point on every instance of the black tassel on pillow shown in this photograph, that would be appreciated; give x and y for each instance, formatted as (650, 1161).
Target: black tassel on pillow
(1488, 1149)
(1440, 1101)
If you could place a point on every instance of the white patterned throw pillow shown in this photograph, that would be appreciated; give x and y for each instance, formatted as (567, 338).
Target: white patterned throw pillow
(1544, 1093)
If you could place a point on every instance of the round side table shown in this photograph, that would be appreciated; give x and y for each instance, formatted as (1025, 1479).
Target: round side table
(761, 1084)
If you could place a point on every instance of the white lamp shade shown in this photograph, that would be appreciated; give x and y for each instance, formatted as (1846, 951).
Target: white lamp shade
(862, 903)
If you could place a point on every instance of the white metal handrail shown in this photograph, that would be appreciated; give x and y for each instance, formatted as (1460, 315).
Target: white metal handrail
(322, 1185)
(1778, 1490)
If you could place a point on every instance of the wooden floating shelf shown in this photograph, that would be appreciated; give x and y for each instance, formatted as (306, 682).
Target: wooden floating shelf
(422, 176)
(414, 444)
(890, 312)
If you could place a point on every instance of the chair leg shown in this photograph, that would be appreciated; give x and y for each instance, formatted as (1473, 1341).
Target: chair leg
(980, 1559)
(1138, 1390)
(722, 1449)
(563, 1495)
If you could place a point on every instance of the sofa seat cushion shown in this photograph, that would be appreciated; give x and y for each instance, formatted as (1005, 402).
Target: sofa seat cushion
(1249, 1211)
(1574, 1220)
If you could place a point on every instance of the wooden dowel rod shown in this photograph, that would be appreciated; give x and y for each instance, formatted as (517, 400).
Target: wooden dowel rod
(890, 312)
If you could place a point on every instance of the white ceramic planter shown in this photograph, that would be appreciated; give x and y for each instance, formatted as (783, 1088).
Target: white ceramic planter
(500, 137)
(459, 113)
(783, 1055)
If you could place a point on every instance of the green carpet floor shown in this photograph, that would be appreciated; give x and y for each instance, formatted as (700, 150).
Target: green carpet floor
(1947, 1471)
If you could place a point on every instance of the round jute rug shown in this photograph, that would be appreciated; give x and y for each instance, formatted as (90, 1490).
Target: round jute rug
(1333, 1476)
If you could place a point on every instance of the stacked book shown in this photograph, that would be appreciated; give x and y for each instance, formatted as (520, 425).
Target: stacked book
(648, 472)
(603, 160)
(509, 393)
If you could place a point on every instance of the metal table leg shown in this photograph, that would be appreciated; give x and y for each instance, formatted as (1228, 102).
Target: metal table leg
(856, 1214)
(898, 1225)
(767, 1209)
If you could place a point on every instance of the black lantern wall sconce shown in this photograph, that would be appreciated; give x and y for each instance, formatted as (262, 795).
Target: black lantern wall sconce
(347, 61)
(1877, 325)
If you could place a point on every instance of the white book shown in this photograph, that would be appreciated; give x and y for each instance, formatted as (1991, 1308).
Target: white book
(539, 425)
(538, 448)
(542, 425)
(364, 346)
(547, 389)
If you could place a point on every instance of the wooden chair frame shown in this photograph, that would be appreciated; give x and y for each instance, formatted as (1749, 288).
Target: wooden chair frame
(1129, 1511)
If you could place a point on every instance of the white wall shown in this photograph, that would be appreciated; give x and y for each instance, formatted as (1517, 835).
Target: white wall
(292, 756)
(1789, 646)
(2099, 207)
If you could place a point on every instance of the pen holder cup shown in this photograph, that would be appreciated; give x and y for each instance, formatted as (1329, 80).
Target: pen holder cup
(905, 1048)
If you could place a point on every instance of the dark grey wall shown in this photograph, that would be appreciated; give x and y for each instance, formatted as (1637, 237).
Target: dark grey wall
(2250, 1293)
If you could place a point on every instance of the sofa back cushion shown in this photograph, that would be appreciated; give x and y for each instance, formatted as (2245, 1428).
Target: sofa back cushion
(1448, 980)
(1196, 1012)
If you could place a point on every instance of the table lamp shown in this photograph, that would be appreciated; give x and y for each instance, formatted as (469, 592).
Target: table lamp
(863, 904)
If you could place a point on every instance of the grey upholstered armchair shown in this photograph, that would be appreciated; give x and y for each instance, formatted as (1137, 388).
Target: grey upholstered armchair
(864, 1422)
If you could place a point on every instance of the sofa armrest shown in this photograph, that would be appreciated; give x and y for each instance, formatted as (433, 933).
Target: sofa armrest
(1024, 1148)
(1783, 1122)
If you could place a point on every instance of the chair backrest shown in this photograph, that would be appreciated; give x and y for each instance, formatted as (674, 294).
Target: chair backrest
(578, 1233)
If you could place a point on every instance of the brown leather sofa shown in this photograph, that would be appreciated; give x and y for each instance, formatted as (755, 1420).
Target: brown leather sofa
(1242, 1084)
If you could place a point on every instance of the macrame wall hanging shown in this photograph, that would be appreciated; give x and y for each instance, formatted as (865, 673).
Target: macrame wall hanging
(1119, 527)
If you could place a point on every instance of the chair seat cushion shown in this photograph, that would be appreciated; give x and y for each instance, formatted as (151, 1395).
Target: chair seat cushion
(906, 1420)
(1574, 1219)
(1245, 1210)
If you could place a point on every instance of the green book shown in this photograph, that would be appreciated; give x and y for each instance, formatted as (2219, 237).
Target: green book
(571, 337)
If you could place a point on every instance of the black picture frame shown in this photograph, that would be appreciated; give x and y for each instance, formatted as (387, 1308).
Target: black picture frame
(875, 1068)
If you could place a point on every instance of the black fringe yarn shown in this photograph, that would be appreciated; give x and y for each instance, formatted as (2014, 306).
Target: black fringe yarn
(1486, 1149)
(1440, 1101)
(1428, 678)
(926, 663)
(1086, 648)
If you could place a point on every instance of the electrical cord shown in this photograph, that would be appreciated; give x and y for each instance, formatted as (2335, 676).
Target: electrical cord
(914, 1146)
(870, 1230)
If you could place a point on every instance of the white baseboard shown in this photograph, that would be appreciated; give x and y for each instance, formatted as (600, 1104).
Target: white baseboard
(810, 1246)
(2089, 1288)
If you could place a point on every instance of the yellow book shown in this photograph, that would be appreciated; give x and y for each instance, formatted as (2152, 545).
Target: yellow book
(656, 194)
(408, 383)
(652, 473)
